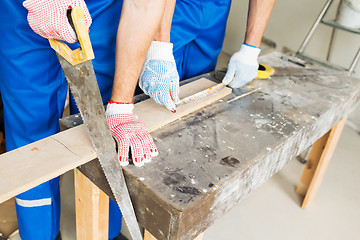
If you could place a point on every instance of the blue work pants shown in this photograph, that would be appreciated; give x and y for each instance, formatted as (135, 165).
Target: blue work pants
(197, 32)
(33, 89)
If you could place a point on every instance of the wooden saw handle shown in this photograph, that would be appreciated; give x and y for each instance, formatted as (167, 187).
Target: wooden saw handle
(85, 52)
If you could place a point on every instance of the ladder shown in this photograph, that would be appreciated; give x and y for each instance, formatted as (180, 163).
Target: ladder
(331, 23)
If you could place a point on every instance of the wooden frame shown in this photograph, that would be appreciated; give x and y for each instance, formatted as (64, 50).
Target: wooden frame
(92, 209)
(317, 163)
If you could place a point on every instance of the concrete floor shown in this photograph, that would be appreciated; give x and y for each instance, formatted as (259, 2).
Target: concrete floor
(273, 210)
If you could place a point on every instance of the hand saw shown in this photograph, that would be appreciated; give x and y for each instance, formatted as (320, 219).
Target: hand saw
(81, 78)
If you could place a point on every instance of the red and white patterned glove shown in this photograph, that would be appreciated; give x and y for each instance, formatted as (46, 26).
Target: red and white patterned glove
(129, 131)
(48, 18)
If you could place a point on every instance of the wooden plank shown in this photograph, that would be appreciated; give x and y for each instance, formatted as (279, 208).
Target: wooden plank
(38, 162)
(148, 236)
(91, 203)
(200, 237)
(8, 219)
(57, 154)
(311, 164)
(315, 170)
(145, 110)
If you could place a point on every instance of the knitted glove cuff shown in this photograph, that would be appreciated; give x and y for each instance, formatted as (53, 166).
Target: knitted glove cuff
(249, 53)
(115, 108)
(161, 51)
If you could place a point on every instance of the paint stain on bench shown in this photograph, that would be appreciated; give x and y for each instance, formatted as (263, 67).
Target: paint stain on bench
(188, 190)
(229, 161)
(173, 178)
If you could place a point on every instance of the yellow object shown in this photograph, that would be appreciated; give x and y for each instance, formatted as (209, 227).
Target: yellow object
(85, 52)
(264, 71)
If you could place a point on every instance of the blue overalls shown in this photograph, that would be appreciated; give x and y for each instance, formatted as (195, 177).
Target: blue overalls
(33, 90)
(197, 32)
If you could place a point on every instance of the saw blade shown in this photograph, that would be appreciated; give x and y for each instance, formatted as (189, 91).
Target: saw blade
(82, 81)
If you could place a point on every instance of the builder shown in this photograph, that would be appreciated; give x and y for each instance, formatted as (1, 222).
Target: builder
(198, 31)
(34, 89)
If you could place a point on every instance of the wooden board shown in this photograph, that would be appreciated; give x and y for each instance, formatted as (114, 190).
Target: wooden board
(33, 164)
(8, 219)
(316, 151)
(156, 116)
(318, 161)
(91, 203)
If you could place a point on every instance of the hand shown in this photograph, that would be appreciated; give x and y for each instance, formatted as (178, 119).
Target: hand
(49, 20)
(243, 66)
(159, 77)
(129, 131)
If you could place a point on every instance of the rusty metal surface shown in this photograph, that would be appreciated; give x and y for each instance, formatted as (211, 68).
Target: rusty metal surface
(212, 159)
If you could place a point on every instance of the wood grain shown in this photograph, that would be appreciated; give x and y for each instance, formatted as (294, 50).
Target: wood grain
(91, 203)
(156, 116)
(38, 162)
(8, 219)
(311, 164)
(318, 162)
(148, 236)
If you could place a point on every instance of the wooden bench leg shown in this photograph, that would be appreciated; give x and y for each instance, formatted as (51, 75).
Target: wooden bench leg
(148, 236)
(92, 210)
(317, 163)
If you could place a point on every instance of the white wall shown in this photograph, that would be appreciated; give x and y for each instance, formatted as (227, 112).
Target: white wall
(288, 25)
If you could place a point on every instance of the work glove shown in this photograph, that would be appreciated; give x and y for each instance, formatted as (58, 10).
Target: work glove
(48, 18)
(159, 77)
(129, 131)
(243, 66)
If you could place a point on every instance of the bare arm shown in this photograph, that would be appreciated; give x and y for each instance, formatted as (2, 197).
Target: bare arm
(140, 21)
(159, 77)
(243, 65)
(258, 16)
(163, 34)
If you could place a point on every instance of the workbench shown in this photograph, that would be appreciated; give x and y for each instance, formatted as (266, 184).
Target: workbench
(214, 157)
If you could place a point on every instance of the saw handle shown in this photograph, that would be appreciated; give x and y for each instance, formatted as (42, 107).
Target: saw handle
(85, 52)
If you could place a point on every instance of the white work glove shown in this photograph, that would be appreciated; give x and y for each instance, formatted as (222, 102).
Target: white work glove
(159, 77)
(243, 66)
(48, 18)
(129, 131)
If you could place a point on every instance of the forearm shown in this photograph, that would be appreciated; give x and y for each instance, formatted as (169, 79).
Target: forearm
(163, 34)
(140, 21)
(258, 16)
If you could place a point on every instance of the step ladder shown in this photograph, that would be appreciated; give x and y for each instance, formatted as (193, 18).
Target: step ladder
(331, 23)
